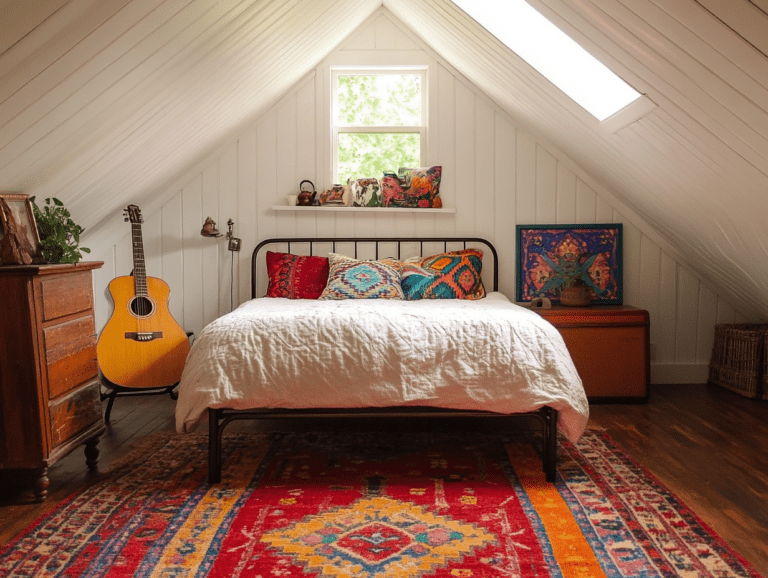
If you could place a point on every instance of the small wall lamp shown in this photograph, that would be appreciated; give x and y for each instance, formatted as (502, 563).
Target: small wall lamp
(209, 230)
(233, 244)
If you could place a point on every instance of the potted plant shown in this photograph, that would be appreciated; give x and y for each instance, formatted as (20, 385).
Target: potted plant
(573, 275)
(59, 234)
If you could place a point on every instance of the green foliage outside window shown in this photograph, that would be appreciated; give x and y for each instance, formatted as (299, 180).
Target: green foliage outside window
(371, 154)
(380, 100)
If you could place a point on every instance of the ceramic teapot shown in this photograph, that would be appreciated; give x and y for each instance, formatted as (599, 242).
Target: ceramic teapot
(306, 198)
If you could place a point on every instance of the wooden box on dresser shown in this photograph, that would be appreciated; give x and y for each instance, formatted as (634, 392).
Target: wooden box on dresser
(610, 347)
(49, 387)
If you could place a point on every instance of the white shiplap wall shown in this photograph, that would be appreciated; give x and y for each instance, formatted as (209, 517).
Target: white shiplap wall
(495, 174)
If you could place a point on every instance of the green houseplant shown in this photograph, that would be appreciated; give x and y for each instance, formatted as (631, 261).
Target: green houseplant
(59, 234)
(571, 271)
(573, 278)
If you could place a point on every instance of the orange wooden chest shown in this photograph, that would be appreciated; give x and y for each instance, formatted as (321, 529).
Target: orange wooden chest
(610, 346)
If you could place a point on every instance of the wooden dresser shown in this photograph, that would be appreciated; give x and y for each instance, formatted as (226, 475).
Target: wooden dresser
(49, 388)
(610, 346)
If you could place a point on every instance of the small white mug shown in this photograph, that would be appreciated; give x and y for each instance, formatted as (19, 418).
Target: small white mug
(292, 200)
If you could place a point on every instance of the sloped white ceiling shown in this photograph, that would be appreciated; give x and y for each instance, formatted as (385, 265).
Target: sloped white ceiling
(103, 102)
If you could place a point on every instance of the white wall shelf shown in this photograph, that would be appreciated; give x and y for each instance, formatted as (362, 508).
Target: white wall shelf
(340, 209)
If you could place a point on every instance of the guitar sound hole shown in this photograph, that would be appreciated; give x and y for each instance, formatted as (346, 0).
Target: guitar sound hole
(141, 307)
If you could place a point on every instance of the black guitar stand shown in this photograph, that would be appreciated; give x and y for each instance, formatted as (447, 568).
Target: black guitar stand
(115, 391)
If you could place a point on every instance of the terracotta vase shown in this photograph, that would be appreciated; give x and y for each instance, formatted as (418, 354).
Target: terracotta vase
(576, 295)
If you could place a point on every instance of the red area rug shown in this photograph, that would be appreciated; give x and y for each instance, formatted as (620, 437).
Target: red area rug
(371, 506)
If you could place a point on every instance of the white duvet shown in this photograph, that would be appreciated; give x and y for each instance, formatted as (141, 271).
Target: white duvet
(488, 354)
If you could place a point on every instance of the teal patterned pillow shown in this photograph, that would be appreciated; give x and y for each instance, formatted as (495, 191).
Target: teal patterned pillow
(452, 275)
(353, 279)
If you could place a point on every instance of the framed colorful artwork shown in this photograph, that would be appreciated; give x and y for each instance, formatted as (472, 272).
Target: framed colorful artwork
(16, 215)
(550, 257)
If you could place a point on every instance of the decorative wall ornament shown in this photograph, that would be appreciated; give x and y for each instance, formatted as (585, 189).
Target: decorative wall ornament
(552, 257)
(209, 228)
(19, 237)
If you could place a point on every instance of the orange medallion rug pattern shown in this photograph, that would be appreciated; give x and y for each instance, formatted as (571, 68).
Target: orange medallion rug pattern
(410, 505)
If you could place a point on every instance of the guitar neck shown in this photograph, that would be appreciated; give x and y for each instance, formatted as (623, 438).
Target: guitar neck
(139, 269)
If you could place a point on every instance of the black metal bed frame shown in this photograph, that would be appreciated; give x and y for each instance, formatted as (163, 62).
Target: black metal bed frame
(219, 418)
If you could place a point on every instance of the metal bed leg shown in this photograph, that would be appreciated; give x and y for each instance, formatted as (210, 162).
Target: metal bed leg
(214, 447)
(550, 449)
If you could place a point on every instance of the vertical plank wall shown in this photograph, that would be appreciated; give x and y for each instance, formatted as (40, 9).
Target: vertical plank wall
(495, 174)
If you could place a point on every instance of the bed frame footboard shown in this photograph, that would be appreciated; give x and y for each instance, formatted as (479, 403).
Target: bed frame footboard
(218, 419)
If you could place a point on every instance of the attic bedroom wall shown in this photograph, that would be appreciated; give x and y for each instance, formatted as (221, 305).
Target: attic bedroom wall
(495, 173)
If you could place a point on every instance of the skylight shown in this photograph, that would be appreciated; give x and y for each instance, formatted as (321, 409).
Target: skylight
(553, 53)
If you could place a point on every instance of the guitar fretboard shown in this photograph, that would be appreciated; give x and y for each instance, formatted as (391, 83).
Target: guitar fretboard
(139, 270)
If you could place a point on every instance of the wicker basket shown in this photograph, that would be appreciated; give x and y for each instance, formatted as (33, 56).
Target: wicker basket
(764, 381)
(738, 358)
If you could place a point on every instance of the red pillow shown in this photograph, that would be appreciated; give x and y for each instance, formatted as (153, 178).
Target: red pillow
(296, 277)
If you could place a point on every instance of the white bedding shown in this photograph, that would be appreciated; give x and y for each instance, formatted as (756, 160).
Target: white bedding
(488, 354)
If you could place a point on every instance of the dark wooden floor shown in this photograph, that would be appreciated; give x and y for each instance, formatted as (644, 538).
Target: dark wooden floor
(706, 444)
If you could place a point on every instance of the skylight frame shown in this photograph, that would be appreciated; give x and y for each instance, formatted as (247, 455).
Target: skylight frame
(545, 47)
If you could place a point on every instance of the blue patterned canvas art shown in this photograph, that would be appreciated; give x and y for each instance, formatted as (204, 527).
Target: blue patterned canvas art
(549, 255)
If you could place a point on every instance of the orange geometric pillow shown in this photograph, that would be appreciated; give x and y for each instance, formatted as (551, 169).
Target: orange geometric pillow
(452, 275)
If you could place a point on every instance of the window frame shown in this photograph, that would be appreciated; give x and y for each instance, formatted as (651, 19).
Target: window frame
(337, 129)
(557, 38)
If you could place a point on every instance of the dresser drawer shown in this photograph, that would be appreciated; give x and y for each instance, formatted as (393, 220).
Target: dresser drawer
(66, 294)
(50, 401)
(70, 354)
(74, 412)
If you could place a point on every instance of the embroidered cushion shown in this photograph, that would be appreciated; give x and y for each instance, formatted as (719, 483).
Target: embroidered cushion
(412, 188)
(336, 195)
(394, 263)
(353, 279)
(296, 277)
(365, 192)
(425, 184)
(452, 275)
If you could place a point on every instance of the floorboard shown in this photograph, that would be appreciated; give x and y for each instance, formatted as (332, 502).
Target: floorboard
(709, 446)
(706, 444)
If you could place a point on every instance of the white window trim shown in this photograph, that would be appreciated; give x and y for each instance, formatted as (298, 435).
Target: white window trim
(337, 71)
(634, 111)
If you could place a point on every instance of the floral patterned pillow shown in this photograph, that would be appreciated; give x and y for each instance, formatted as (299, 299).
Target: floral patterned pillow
(365, 192)
(412, 188)
(296, 277)
(354, 279)
(336, 195)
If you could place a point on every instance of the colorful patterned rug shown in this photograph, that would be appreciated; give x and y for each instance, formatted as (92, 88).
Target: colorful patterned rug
(371, 506)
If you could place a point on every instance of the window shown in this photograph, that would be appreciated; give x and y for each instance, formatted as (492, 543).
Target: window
(553, 53)
(378, 121)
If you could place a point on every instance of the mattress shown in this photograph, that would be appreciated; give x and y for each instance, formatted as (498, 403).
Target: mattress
(489, 354)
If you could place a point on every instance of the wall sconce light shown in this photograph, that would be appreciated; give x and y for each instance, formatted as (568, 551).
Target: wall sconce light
(234, 242)
(209, 230)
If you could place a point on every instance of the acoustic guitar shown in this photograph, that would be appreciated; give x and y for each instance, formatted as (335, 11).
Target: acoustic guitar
(141, 345)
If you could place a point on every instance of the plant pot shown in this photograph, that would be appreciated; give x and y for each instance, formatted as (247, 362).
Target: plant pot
(575, 296)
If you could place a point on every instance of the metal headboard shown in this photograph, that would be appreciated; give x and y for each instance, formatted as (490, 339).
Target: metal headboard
(377, 242)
